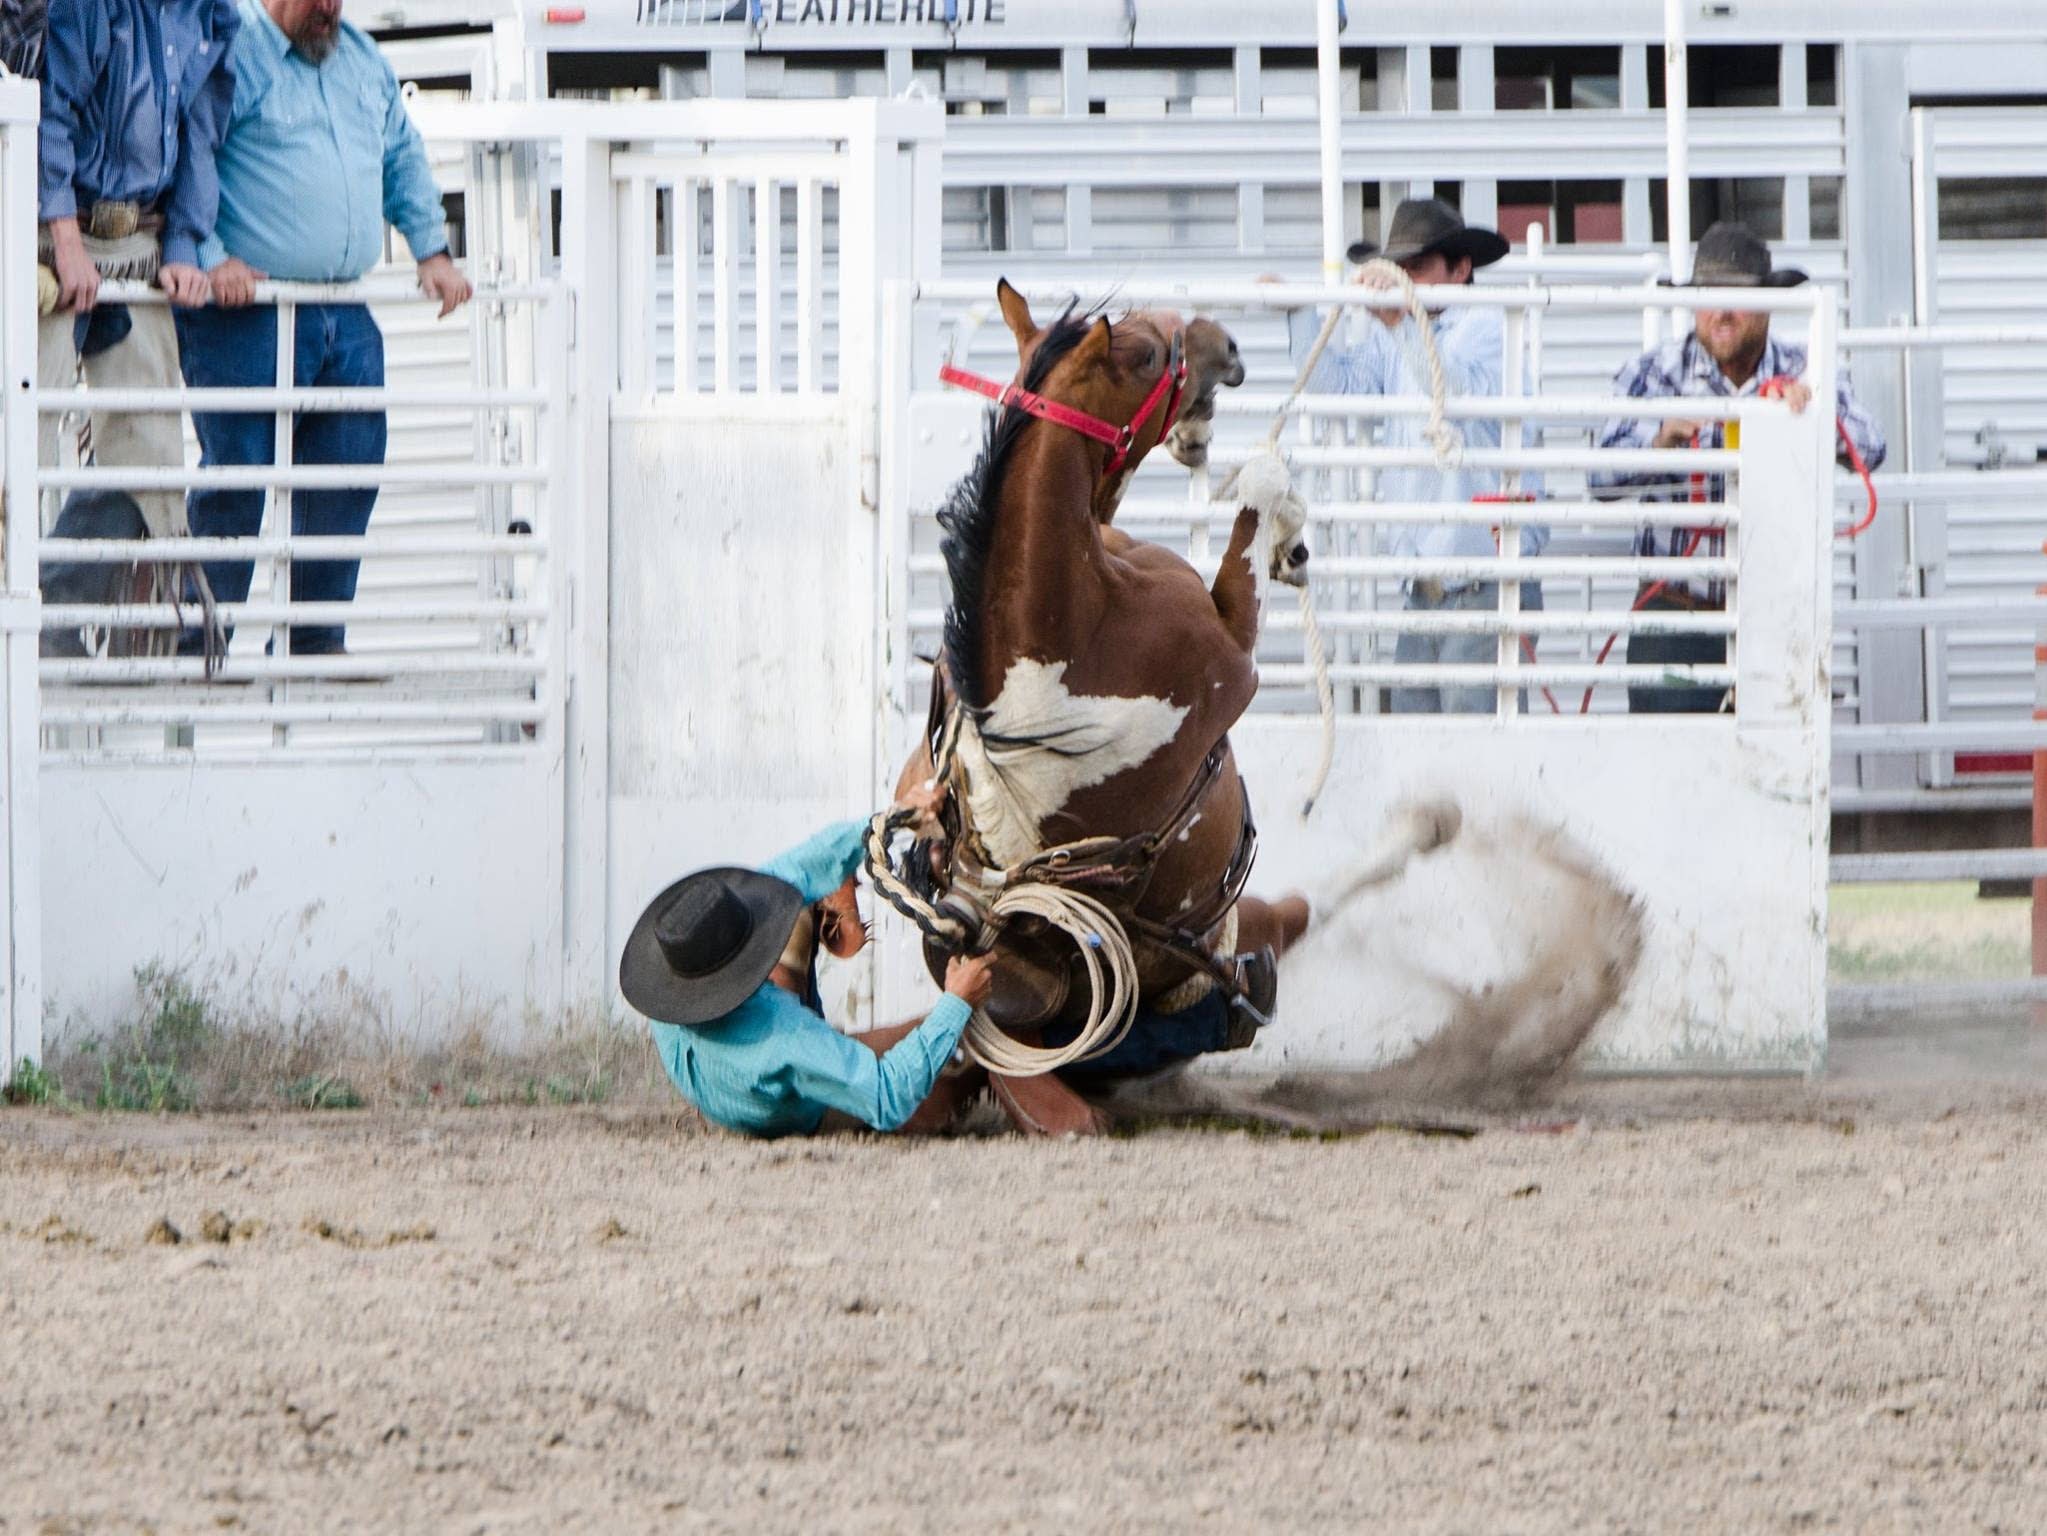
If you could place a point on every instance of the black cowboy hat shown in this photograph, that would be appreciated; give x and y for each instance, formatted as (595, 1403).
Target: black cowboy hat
(1729, 256)
(706, 942)
(1424, 224)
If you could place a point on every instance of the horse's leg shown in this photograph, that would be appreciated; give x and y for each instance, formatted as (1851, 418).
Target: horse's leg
(1277, 923)
(1236, 589)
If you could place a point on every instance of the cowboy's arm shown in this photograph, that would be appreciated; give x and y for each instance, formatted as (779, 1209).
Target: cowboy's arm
(838, 1072)
(1862, 429)
(76, 39)
(819, 864)
(1638, 380)
(1341, 370)
(412, 202)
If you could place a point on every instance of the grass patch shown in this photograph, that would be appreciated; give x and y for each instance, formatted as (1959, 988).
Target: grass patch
(187, 1047)
(1926, 932)
(30, 1084)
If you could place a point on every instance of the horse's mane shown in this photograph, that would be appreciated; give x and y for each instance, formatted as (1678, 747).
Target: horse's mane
(968, 517)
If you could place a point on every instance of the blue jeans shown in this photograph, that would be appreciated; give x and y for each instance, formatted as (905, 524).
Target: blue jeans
(1483, 649)
(1156, 1041)
(335, 344)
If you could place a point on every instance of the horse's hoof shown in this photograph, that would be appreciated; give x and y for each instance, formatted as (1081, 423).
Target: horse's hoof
(1290, 567)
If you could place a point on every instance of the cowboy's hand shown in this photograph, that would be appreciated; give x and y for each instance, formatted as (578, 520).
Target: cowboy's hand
(924, 803)
(1675, 434)
(440, 278)
(78, 280)
(1373, 276)
(234, 283)
(1797, 394)
(970, 978)
(186, 284)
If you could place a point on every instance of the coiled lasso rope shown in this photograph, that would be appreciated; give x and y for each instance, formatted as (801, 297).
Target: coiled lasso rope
(1095, 930)
(1445, 439)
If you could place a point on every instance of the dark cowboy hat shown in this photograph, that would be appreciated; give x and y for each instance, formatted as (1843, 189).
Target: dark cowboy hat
(1424, 224)
(706, 942)
(1729, 256)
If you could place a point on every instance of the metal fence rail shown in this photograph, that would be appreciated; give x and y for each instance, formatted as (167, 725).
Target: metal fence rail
(450, 629)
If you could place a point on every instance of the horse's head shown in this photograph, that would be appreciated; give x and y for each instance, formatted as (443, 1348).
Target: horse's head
(1116, 367)
(1211, 360)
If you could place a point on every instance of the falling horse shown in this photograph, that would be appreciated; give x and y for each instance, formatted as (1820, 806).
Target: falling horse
(1089, 680)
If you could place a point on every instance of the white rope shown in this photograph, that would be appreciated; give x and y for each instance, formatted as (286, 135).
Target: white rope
(1441, 435)
(1095, 930)
(1098, 935)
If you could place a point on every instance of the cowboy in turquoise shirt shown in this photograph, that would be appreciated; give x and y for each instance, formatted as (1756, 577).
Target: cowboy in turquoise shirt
(722, 964)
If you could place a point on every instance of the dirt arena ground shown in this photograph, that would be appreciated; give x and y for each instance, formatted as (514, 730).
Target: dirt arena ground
(1651, 1307)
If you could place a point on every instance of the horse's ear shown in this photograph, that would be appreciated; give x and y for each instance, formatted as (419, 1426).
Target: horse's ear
(1017, 313)
(1094, 346)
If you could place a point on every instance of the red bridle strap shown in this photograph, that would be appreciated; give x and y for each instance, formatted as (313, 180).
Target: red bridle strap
(1119, 440)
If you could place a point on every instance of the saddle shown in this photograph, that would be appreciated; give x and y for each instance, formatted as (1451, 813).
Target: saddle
(1039, 977)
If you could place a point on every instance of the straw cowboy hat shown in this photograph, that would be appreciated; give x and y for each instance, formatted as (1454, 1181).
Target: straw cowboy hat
(1424, 224)
(1729, 256)
(706, 942)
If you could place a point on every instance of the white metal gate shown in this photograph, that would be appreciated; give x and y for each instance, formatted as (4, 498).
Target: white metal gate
(1978, 407)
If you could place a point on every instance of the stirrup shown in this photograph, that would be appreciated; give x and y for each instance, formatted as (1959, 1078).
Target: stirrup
(1255, 1002)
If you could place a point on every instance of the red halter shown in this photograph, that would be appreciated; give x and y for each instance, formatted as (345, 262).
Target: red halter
(1118, 439)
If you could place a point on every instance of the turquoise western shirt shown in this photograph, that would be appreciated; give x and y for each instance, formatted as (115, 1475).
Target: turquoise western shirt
(773, 1066)
(316, 157)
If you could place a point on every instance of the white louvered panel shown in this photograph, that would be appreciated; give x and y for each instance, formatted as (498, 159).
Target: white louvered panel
(1994, 547)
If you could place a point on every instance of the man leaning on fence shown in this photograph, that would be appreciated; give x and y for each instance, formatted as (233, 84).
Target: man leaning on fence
(134, 94)
(317, 155)
(1729, 354)
(1432, 244)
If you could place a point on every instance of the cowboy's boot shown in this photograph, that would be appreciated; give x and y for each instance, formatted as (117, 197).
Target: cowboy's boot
(1257, 999)
(1044, 1106)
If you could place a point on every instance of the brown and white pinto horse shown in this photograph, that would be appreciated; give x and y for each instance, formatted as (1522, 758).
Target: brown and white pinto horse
(1098, 673)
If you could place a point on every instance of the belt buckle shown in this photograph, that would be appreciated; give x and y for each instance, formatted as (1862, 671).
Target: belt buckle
(1429, 590)
(113, 221)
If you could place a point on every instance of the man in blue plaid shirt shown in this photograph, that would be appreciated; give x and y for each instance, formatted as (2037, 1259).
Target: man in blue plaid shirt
(1730, 353)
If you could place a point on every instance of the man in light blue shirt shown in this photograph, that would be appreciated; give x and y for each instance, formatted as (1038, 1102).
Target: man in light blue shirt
(1432, 244)
(318, 155)
(722, 965)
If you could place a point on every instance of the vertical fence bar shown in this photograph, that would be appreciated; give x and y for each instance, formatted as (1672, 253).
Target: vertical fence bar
(2040, 811)
(809, 289)
(636, 292)
(767, 283)
(21, 939)
(579, 552)
(1513, 374)
(1678, 186)
(1329, 120)
(682, 241)
(280, 509)
(724, 285)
